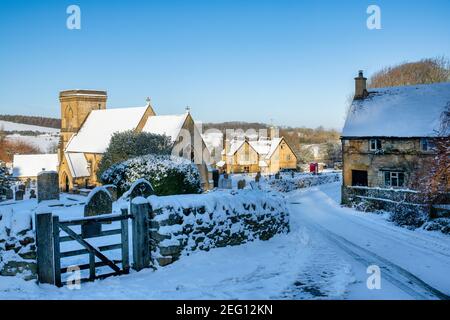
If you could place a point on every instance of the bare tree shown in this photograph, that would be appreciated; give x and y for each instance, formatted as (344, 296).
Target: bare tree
(432, 70)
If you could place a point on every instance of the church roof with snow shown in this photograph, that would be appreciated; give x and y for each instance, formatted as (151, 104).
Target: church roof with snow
(96, 132)
(408, 111)
(170, 125)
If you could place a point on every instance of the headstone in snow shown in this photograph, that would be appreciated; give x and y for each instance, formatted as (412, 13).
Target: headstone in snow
(141, 188)
(47, 186)
(258, 177)
(9, 194)
(216, 176)
(32, 194)
(19, 195)
(277, 176)
(99, 202)
(225, 183)
(241, 184)
(22, 187)
(112, 189)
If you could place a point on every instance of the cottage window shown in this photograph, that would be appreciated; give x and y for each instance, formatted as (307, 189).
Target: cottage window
(427, 145)
(375, 144)
(394, 179)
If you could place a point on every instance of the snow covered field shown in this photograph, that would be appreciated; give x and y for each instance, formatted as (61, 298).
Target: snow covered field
(325, 256)
(45, 139)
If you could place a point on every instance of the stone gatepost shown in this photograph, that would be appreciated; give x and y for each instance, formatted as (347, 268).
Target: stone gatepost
(47, 186)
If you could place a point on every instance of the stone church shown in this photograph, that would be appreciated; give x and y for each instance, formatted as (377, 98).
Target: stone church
(87, 126)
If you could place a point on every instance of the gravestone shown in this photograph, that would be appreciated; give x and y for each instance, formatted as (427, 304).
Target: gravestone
(277, 176)
(99, 202)
(9, 194)
(47, 186)
(216, 176)
(225, 183)
(22, 187)
(141, 188)
(32, 194)
(19, 195)
(112, 189)
(241, 184)
(258, 177)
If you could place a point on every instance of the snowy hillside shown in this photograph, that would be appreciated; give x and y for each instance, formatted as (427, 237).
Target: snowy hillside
(45, 139)
(12, 126)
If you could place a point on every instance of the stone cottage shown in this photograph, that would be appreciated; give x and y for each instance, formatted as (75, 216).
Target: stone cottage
(389, 135)
(267, 155)
(87, 127)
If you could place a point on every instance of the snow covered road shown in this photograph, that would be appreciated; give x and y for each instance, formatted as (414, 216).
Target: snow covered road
(325, 256)
(414, 264)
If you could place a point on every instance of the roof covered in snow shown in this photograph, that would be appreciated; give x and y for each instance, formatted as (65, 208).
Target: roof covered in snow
(264, 147)
(78, 164)
(95, 134)
(29, 165)
(408, 111)
(170, 125)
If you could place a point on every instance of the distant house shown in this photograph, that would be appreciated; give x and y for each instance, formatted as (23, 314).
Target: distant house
(87, 127)
(265, 155)
(27, 166)
(389, 135)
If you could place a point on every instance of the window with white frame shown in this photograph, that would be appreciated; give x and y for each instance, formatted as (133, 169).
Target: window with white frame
(375, 144)
(394, 179)
(427, 145)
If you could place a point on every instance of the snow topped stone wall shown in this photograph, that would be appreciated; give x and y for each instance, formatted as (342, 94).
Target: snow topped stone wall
(288, 183)
(185, 223)
(17, 244)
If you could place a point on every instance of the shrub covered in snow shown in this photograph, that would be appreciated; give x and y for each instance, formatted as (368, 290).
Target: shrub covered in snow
(4, 180)
(168, 175)
(185, 223)
(130, 144)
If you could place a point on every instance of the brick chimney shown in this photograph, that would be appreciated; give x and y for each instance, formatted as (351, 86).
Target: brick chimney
(361, 86)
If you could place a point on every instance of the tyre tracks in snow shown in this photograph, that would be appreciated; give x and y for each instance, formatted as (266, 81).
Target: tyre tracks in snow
(396, 275)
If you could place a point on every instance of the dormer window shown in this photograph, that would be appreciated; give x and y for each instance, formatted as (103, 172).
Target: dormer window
(375, 144)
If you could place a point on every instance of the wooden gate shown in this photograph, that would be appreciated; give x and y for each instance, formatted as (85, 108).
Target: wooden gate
(51, 232)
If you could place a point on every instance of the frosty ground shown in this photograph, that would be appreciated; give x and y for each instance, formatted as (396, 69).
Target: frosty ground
(325, 256)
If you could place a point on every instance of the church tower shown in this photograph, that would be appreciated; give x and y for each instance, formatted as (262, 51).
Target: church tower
(75, 107)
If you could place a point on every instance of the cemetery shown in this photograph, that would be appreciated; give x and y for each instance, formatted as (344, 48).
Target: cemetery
(47, 236)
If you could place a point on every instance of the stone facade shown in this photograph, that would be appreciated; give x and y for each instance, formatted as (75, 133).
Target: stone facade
(247, 160)
(371, 167)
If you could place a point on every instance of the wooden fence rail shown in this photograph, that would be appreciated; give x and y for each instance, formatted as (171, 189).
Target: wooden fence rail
(49, 239)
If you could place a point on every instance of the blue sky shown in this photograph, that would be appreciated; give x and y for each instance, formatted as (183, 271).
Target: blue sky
(255, 60)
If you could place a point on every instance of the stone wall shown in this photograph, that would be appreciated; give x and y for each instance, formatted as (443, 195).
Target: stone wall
(406, 207)
(288, 183)
(17, 245)
(182, 224)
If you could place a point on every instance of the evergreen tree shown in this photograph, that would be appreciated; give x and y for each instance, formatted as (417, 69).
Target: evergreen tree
(130, 144)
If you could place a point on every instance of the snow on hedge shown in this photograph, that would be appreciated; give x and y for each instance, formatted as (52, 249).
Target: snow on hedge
(167, 174)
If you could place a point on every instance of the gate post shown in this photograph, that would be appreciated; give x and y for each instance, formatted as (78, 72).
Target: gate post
(44, 248)
(140, 209)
